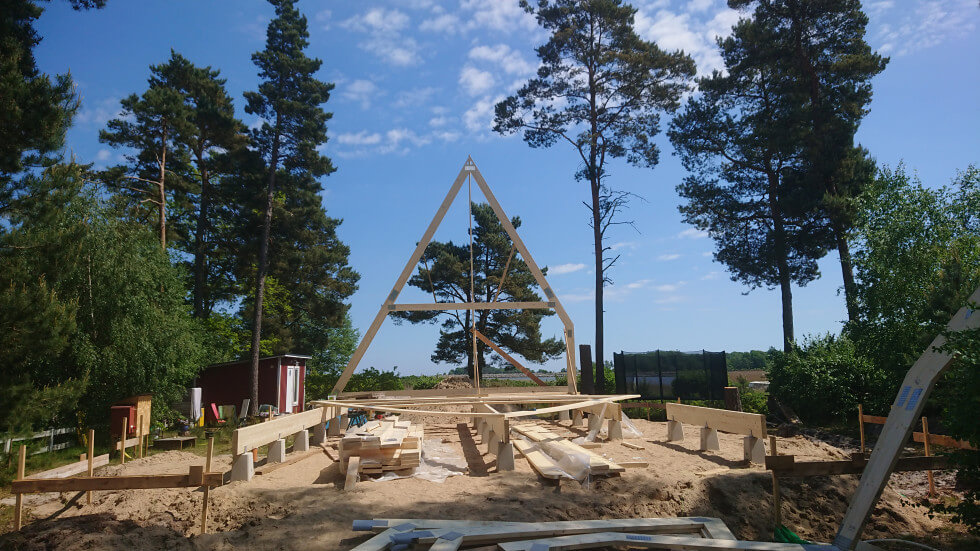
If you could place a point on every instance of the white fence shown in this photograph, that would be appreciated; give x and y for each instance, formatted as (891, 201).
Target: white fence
(49, 434)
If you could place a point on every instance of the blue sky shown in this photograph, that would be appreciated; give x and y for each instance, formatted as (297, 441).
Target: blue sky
(416, 84)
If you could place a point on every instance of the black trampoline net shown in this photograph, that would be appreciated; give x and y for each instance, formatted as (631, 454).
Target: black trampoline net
(668, 374)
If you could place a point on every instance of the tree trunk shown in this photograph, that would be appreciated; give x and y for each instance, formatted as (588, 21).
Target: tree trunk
(599, 279)
(782, 264)
(847, 271)
(163, 191)
(201, 295)
(260, 276)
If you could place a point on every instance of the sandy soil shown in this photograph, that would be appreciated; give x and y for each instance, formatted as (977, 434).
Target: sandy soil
(301, 505)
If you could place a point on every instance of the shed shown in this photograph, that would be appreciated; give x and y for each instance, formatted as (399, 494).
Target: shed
(137, 411)
(282, 381)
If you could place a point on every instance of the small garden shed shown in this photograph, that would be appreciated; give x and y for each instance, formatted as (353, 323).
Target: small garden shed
(282, 381)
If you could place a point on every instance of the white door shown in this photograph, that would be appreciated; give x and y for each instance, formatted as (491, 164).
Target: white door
(292, 388)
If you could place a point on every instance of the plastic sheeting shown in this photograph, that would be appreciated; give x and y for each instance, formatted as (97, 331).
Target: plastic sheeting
(439, 461)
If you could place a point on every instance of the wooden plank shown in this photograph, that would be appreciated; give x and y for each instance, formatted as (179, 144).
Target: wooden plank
(632, 446)
(130, 482)
(90, 459)
(130, 443)
(634, 464)
(786, 467)
(353, 466)
(942, 440)
(72, 469)
(433, 306)
(597, 540)
(735, 422)
(460, 392)
(207, 489)
(539, 461)
(873, 419)
(507, 357)
(246, 439)
(555, 409)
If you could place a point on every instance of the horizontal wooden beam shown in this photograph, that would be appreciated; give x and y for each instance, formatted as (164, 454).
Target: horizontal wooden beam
(735, 422)
(131, 482)
(248, 438)
(787, 466)
(457, 392)
(942, 440)
(74, 468)
(427, 306)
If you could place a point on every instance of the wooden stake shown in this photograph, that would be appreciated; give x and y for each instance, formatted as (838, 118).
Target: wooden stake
(861, 425)
(91, 460)
(122, 441)
(207, 489)
(139, 437)
(19, 500)
(776, 498)
(925, 441)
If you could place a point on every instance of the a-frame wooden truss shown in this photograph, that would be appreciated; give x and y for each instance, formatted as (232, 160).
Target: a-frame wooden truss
(469, 170)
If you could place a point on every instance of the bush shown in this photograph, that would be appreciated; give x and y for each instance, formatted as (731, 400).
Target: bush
(421, 382)
(754, 401)
(825, 380)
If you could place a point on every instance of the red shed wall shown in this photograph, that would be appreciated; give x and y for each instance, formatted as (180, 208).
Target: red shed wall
(228, 384)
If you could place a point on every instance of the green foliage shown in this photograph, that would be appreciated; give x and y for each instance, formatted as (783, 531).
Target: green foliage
(35, 110)
(329, 361)
(746, 361)
(421, 382)
(110, 321)
(444, 271)
(961, 408)
(825, 379)
(917, 261)
(754, 401)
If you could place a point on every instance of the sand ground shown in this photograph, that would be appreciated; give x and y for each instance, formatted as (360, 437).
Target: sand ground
(302, 505)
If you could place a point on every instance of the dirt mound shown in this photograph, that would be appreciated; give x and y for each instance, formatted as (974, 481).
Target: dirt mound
(455, 381)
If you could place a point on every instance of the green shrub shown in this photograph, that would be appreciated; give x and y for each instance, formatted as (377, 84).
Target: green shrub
(754, 401)
(421, 382)
(825, 380)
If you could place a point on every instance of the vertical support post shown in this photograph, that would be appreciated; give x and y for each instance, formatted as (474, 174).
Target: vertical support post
(91, 460)
(925, 441)
(861, 425)
(207, 489)
(122, 441)
(139, 437)
(570, 359)
(585, 359)
(51, 440)
(776, 504)
(19, 500)
(733, 400)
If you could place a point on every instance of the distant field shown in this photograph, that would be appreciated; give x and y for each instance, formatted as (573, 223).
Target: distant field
(750, 375)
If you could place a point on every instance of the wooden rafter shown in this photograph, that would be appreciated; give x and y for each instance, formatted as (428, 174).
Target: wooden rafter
(530, 374)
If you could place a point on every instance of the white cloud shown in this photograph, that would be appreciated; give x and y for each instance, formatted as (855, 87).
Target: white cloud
(707, 254)
(692, 233)
(928, 24)
(360, 91)
(99, 113)
(377, 20)
(565, 268)
(446, 23)
(711, 275)
(475, 81)
(439, 121)
(670, 287)
(502, 55)
(361, 138)
(385, 40)
(497, 15)
(638, 284)
(479, 117)
(397, 140)
(665, 257)
(699, 5)
(323, 18)
(689, 32)
(103, 155)
(414, 97)
(671, 299)
(623, 245)
(446, 135)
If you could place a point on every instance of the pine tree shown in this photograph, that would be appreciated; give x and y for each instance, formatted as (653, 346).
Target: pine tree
(293, 126)
(820, 46)
(600, 88)
(739, 140)
(445, 273)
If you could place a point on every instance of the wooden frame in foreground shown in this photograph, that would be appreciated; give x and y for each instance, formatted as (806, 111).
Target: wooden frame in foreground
(469, 170)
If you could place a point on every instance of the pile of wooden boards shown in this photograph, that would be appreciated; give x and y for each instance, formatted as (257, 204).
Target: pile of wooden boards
(380, 446)
(546, 464)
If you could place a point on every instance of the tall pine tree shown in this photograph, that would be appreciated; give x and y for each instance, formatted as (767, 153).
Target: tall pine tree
(601, 89)
(293, 126)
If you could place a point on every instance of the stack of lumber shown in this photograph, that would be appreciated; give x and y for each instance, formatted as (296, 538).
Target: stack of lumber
(546, 465)
(386, 445)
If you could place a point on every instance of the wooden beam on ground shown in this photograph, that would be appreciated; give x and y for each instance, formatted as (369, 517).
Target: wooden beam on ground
(433, 306)
(787, 466)
(735, 422)
(72, 469)
(597, 540)
(130, 482)
(507, 357)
